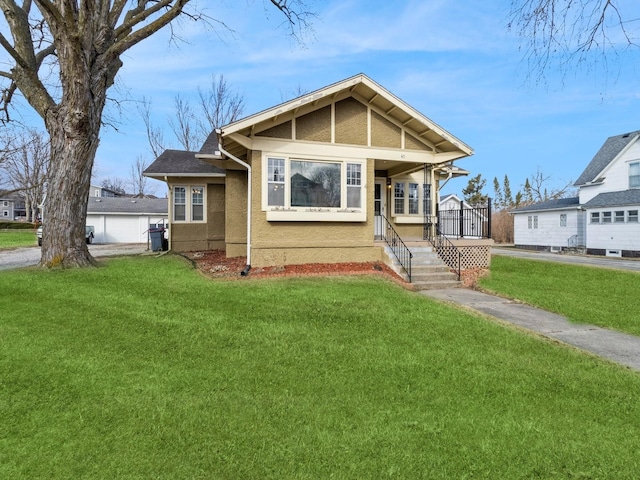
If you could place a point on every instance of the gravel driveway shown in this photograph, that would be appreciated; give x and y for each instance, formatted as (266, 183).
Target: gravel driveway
(26, 257)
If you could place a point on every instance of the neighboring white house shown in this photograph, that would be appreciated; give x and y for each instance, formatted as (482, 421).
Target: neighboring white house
(553, 225)
(603, 218)
(125, 219)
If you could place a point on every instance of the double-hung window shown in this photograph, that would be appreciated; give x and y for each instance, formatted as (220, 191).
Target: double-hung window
(398, 198)
(595, 217)
(188, 203)
(354, 185)
(606, 217)
(275, 182)
(179, 204)
(563, 219)
(632, 216)
(413, 199)
(313, 189)
(634, 175)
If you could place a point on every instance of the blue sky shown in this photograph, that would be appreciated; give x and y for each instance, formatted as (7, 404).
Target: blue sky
(455, 62)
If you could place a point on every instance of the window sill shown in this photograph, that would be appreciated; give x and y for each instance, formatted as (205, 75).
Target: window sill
(414, 219)
(316, 215)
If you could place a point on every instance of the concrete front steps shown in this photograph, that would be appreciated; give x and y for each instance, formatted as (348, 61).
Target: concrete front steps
(428, 271)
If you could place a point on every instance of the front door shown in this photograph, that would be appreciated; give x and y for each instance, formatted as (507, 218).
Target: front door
(379, 207)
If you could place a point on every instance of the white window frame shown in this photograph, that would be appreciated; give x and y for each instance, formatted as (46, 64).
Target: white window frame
(563, 219)
(634, 176)
(606, 217)
(618, 216)
(529, 222)
(535, 222)
(343, 213)
(632, 216)
(413, 208)
(190, 197)
(594, 218)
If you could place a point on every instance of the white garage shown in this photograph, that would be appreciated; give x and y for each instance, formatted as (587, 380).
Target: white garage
(125, 219)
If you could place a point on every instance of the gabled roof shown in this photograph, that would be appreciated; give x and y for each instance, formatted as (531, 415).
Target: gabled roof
(609, 151)
(615, 199)
(124, 205)
(571, 203)
(360, 87)
(181, 163)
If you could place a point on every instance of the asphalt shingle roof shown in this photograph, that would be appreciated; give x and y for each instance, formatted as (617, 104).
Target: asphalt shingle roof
(153, 206)
(609, 150)
(181, 163)
(556, 204)
(615, 199)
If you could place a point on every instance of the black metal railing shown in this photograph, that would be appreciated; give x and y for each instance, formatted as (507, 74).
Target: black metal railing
(463, 222)
(446, 250)
(386, 232)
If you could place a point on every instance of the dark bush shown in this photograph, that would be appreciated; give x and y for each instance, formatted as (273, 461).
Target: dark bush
(18, 226)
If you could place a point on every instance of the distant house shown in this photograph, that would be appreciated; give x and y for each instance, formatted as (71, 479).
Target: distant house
(603, 219)
(125, 219)
(12, 206)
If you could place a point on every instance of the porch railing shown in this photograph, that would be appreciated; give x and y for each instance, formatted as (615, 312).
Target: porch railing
(466, 222)
(386, 232)
(446, 250)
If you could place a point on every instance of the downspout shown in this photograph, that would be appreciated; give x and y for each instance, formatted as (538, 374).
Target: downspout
(244, 272)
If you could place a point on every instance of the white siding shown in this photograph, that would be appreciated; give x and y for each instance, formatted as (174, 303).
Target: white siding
(114, 228)
(613, 236)
(549, 232)
(616, 175)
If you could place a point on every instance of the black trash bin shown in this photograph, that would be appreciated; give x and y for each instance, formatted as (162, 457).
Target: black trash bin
(157, 239)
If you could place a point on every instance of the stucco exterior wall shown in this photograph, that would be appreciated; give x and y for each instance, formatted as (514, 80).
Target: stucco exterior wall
(384, 133)
(314, 126)
(236, 213)
(351, 122)
(209, 235)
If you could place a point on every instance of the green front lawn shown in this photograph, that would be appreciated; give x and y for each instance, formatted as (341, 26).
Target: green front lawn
(17, 238)
(596, 296)
(145, 369)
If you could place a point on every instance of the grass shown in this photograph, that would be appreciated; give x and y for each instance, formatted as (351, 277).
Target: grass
(17, 238)
(596, 296)
(145, 369)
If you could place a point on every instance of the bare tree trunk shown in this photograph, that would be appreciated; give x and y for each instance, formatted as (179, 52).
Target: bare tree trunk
(74, 133)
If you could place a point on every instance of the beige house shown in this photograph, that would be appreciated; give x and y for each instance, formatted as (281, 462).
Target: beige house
(323, 178)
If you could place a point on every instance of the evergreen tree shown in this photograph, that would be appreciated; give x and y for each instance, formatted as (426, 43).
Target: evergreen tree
(507, 195)
(498, 201)
(473, 192)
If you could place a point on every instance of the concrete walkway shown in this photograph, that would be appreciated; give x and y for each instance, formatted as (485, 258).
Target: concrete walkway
(618, 347)
(615, 346)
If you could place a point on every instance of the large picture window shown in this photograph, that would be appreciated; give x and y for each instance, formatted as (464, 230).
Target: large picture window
(312, 189)
(188, 203)
(315, 184)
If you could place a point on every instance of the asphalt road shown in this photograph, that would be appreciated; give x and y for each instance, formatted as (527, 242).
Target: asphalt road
(590, 260)
(26, 257)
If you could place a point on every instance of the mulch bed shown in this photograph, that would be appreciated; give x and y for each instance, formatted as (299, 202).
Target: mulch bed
(215, 264)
